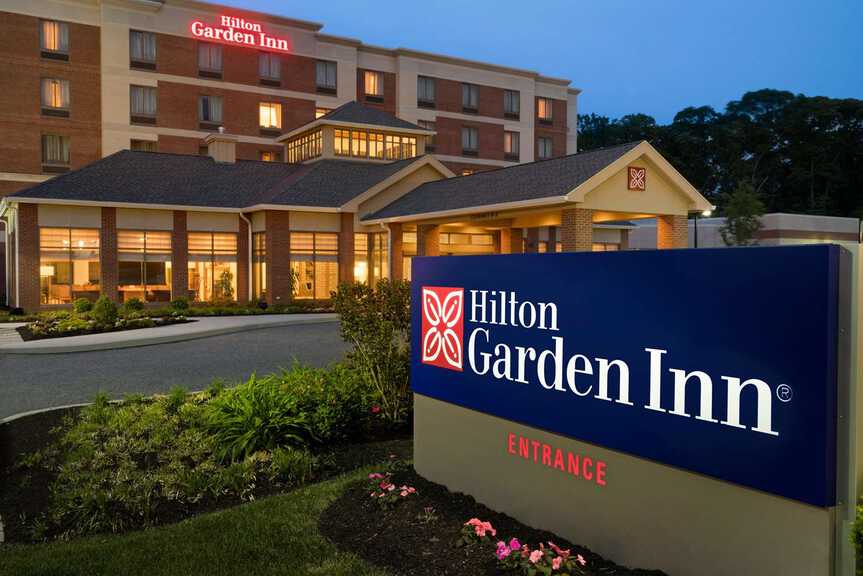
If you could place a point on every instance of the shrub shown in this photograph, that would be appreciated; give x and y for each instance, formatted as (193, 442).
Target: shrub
(133, 305)
(377, 322)
(82, 305)
(181, 303)
(104, 312)
(294, 467)
(857, 538)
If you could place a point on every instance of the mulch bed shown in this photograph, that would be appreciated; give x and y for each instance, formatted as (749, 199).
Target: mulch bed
(401, 540)
(27, 335)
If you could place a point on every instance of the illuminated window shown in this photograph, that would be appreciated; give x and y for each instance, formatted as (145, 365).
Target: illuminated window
(142, 49)
(469, 140)
(55, 94)
(558, 247)
(399, 147)
(269, 66)
(543, 147)
(325, 76)
(374, 83)
(54, 38)
(361, 258)
(68, 265)
(270, 115)
(209, 58)
(212, 266)
(466, 172)
(320, 112)
(144, 265)
(542, 247)
(425, 91)
(510, 145)
(55, 152)
(259, 266)
(342, 142)
(605, 247)
(376, 145)
(143, 145)
(314, 264)
(543, 109)
(270, 156)
(431, 139)
(511, 103)
(470, 97)
(358, 144)
(142, 104)
(210, 109)
(379, 257)
(305, 146)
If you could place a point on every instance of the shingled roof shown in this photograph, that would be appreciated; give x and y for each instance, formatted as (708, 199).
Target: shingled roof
(355, 113)
(533, 181)
(129, 177)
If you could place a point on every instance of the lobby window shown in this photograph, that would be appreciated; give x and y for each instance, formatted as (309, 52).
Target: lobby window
(511, 145)
(321, 112)
(469, 141)
(305, 147)
(376, 145)
(55, 97)
(55, 153)
(325, 76)
(379, 259)
(543, 147)
(605, 247)
(361, 258)
(259, 266)
(213, 266)
(425, 92)
(143, 145)
(359, 141)
(466, 172)
(270, 156)
(470, 98)
(430, 139)
(542, 247)
(142, 50)
(142, 104)
(269, 69)
(68, 264)
(144, 265)
(373, 83)
(209, 60)
(543, 110)
(54, 39)
(315, 264)
(399, 147)
(511, 104)
(270, 117)
(210, 111)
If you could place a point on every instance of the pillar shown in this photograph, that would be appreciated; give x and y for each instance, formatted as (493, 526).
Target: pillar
(278, 249)
(428, 240)
(346, 248)
(672, 232)
(624, 239)
(179, 257)
(532, 244)
(28, 264)
(243, 263)
(552, 238)
(108, 257)
(576, 230)
(396, 252)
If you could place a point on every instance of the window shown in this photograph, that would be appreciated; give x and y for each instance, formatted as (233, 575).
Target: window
(469, 97)
(210, 110)
(605, 247)
(142, 50)
(68, 264)
(269, 68)
(374, 84)
(55, 97)
(510, 145)
(431, 139)
(320, 112)
(325, 76)
(376, 145)
(511, 104)
(55, 153)
(359, 140)
(213, 266)
(143, 145)
(270, 156)
(466, 172)
(425, 91)
(361, 258)
(259, 266)
(209, 60)
(558, 246)
(142, 104)
(379, 258)
(469, 141)
(542, 247)
(543, 110)
(144, 265)
(270, 115)
(399, 147)
(305, 147)
(315, 264)
(54, 39)
(543, 147)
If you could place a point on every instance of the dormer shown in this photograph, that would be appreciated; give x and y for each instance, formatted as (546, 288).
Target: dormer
(355, 132)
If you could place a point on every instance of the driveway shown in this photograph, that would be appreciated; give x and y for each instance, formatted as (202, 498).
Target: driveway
(31, 382)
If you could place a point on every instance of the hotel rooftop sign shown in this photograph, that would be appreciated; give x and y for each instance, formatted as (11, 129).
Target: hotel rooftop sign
(239, 32)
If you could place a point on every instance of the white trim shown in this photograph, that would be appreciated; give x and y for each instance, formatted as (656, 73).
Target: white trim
(548, 200)
(341, 124)
(65, 202)
(354, 204)
(292, 208)
(472, 160)
(21, 177)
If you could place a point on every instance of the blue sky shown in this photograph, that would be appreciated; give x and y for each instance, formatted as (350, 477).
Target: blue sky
(646, 56)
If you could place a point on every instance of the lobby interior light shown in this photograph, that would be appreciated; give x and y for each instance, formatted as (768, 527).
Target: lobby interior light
(46, 271)
(707, 213)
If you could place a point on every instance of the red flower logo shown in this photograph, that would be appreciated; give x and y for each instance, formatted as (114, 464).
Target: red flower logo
(637, 177)
(443, 327)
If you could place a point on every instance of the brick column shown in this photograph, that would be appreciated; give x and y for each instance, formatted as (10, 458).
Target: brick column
(346, 248)
(108, 257)
(552, 238)
(179, 257)
(672, 232)
(278, 247)
(532, 244)
(396, 252)
(501, 241)
(516, 241)
(243, 263)
(576, 230)
(28, 264)
(428, 240)
(624, 239)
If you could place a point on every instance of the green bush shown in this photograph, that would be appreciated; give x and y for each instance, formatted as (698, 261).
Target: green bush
(294, 467)
(857, 538)
(104, 312)
(133, 305)
(82, 305)
(181, 303)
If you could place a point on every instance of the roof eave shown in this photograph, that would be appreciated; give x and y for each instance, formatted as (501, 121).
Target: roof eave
(466, 211)
(342, 124)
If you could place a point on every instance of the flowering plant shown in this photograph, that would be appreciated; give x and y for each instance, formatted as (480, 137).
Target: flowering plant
(385, 493)
(475, 530)
(514, 555)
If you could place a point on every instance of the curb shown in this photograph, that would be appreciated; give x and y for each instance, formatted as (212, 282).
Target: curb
(19, 415)
(155, 340)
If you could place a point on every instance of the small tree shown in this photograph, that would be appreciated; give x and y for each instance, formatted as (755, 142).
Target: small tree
(743, 209)
(377, 322)
(225, 287)
(104, 311)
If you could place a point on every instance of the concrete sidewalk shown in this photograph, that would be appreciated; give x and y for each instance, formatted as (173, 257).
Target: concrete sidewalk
(202, 327)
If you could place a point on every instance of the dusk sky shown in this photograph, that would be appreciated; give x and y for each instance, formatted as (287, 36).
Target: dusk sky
(654, 57)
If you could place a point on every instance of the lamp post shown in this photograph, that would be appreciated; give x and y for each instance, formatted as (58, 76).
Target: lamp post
(706, 214)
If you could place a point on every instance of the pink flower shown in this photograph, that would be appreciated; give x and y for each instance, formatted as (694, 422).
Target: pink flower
(580, 559)
(555, 564)
(376, 409)
(375, 475)
(558, 551)
(514, 544)
(473, 522)
(535, 556)
(502, 550)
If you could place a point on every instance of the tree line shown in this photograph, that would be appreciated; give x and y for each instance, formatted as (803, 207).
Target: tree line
(788, 152)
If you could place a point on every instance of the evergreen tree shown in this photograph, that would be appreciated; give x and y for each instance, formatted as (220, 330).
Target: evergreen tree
(743, 209)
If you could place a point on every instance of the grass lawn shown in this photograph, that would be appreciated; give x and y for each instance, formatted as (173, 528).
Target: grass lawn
(276, 535)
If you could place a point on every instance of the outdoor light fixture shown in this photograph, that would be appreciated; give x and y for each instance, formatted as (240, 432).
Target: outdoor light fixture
(707, 213)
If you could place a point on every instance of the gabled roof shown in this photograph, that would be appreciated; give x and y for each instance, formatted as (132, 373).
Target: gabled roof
(355, 114)
(154, 178)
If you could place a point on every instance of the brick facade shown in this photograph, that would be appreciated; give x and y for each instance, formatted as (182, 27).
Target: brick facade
(672, 232)
(576, 230)
(28, 247)
(180, 256)
(389, 98)
(428, 240)
(108, 257)
(243, 263)
(278, 248)
(346, 247)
